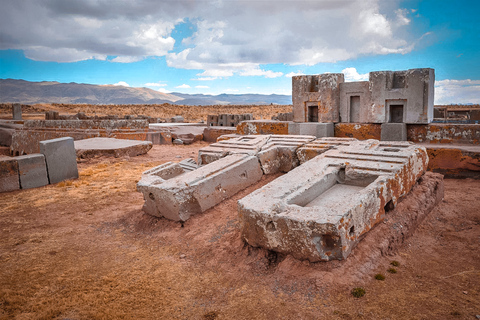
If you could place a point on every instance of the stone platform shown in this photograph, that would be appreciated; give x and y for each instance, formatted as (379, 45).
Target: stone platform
(319, 210)
(89, 148)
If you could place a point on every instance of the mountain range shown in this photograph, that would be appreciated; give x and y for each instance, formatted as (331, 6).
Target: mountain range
(27, 92)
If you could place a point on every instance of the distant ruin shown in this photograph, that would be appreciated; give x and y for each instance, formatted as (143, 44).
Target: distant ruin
(388, 97)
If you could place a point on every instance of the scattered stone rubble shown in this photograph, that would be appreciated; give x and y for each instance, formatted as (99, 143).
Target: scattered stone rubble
(56, 162)
(317, 211)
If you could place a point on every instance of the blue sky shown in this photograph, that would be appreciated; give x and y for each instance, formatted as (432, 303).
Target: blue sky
(221, 46)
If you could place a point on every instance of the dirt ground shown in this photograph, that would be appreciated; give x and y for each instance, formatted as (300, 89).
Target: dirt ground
(83, 249)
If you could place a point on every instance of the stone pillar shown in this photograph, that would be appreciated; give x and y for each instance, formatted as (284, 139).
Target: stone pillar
(17, 111)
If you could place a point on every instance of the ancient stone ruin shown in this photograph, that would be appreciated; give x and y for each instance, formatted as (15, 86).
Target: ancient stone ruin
(387, 97)
(317, 211)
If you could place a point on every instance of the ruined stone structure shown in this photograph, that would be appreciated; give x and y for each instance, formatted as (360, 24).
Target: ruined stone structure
(388, 97)
(55, 162)
(317, 211)
(227, 120)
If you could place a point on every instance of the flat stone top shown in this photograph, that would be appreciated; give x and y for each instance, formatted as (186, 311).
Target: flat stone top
(176, 124)
(463, 147)
(107, 143)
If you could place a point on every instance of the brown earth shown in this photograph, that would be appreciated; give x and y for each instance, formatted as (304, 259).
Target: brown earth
(166, 110)
(83, 249)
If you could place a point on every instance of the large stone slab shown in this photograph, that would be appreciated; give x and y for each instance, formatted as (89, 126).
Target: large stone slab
(316, 129)
(313, 148)
(319, 210)
(394, 132)
(250, 145)
(88, 148)
(32, 171)
(9, 174)
(60, 158)
(170, 193)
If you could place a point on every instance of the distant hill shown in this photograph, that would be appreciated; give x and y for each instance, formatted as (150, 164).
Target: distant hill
(27, 92)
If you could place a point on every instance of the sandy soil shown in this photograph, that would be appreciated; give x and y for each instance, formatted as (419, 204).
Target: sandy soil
(83, 249)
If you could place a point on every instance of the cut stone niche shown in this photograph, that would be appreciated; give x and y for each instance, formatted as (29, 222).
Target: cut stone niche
(395, 110)
(312, 112)
(354, 109)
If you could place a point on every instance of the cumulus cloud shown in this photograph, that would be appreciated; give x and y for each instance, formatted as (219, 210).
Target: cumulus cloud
(457, 91)
(259, 72)
(351, 74)
(293, 74)
(155, 84)
(163, 90)
(230, 36)
(183, 86)
(121, 83)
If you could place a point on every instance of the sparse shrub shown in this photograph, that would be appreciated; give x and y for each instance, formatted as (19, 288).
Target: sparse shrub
(379, 276)
(358, 292)
(395, 263)
(392, 270)
(212, 315)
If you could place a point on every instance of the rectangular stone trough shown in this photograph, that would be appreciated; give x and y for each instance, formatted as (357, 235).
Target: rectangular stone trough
(172, 192)
(279, 152)
(319, 210)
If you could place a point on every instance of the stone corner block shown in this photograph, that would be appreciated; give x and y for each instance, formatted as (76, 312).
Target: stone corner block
(32, 171)
(61, 159)
(9, 175)
(394, 132)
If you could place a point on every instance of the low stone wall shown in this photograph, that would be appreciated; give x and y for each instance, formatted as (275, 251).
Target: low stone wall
(444, 133)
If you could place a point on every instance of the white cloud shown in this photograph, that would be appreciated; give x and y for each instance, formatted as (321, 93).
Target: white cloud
(205, 79)
(127, 59)
(163, 90)
(183, 86)
(155, 84)
(457, 91)
(259, 72)
(237, 37)
(293, 74)
(351, 74)
(121, 83)
(202, 87)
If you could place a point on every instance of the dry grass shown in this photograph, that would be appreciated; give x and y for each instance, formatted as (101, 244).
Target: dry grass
(190, 113)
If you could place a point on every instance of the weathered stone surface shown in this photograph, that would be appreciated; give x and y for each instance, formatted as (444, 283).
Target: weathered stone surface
(211, 134)
(244, 145)
(17, 111)
(318, 130)
(313, 148)
(279, 153)
(360, 131)
(262, 127)
(451, 133)
(316, 98)
(32, 171)
(196, 191)
(188, 164)
(9, 175)
(394, 132)
(319, 211)
(155, 177)
(60, 158)
(89, 148)
(389, 96)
